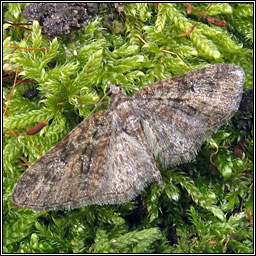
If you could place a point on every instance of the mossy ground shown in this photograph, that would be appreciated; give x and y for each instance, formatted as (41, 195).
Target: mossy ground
(205, 206)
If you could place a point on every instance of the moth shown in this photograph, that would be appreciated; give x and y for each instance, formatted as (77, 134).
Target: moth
(111, 156)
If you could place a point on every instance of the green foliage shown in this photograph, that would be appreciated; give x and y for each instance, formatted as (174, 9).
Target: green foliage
(205, 206)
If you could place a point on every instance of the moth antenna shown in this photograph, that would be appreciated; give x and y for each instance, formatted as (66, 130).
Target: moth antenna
(111, 87)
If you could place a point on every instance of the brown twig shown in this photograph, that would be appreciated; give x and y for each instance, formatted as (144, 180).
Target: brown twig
(192, 28)
(220, 23)
(19, 25)
(166, 51)
(225, 245)
(12, 91)
(37, 128)
(24, 48)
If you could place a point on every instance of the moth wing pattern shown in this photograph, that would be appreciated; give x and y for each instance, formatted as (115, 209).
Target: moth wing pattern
(41, 186)
(179, 113)
(110, 157)
(91, 165)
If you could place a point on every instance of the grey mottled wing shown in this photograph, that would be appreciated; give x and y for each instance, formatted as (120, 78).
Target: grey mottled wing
(95, 164)
(178, 113)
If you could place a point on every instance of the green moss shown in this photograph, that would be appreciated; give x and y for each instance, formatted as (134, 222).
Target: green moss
(200, 208)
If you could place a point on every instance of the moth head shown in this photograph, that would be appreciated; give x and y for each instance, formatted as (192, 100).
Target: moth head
(114, 89)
